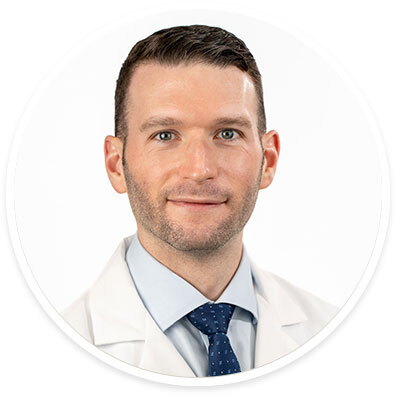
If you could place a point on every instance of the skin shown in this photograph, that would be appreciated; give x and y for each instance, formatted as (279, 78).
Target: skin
(192, 157)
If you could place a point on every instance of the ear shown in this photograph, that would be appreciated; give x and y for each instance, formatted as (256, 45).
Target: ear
(113, 148)
(271, 146)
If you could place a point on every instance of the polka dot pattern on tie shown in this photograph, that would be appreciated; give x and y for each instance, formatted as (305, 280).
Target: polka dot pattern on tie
(213, 320)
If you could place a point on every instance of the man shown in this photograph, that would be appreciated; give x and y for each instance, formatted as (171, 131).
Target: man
(182, 297)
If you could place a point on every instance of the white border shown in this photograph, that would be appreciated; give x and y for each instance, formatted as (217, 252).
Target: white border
(207, 381)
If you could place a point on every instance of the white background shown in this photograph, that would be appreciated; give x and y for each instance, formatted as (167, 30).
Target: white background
(38, 357)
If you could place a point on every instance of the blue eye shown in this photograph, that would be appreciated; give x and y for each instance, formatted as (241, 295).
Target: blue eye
(165, 136)
(228, 134)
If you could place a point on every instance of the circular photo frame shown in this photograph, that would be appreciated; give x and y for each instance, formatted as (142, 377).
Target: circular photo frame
(319, 227)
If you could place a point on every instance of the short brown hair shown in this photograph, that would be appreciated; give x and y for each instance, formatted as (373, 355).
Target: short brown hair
(187, 44)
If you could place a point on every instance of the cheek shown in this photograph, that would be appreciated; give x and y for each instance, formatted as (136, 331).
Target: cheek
(243, 168)
(148, 172)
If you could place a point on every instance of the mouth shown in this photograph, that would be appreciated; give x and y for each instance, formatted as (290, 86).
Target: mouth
(196, 203)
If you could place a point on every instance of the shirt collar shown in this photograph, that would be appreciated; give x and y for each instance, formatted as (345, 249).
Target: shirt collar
(168, 297)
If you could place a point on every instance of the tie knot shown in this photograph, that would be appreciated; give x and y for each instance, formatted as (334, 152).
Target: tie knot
(211, 318)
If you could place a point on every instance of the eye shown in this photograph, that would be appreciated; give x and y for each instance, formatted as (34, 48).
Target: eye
(228, 134)
(164, 136)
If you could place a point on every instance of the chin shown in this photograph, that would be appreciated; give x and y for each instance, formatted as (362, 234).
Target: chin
(193, 242)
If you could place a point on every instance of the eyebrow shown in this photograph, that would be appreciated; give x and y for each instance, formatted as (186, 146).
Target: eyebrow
(159, 121)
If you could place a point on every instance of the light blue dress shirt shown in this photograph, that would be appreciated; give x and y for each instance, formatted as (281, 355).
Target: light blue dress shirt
(168, 298)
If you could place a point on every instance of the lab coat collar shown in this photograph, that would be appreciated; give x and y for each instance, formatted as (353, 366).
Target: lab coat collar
(118, 315)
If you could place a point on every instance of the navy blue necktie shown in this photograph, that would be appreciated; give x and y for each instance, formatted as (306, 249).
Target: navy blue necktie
(213, 320)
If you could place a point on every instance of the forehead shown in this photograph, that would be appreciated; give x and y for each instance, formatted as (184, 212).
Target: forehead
(191, 92)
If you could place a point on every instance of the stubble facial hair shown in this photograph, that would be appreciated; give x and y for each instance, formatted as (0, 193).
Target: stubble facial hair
(152, 215)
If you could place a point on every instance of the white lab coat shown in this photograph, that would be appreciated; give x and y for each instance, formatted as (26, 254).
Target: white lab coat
(112, 316)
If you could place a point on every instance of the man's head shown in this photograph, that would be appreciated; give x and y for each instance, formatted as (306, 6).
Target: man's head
(191, 148)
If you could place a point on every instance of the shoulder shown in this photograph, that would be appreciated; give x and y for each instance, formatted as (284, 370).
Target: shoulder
(313, 306)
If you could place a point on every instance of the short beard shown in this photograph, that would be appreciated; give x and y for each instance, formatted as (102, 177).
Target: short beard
(153, 218)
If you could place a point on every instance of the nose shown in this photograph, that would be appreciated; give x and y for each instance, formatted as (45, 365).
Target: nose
(198, 160)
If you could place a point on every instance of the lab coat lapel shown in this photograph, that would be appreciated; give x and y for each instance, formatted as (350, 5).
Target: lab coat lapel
(276, 309)
(271, 340)
(160, 355)
(117, 313)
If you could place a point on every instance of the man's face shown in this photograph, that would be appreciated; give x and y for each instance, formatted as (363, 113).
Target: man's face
(193, 158)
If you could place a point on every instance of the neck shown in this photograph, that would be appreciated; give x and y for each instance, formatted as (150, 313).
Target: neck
(208, 272)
